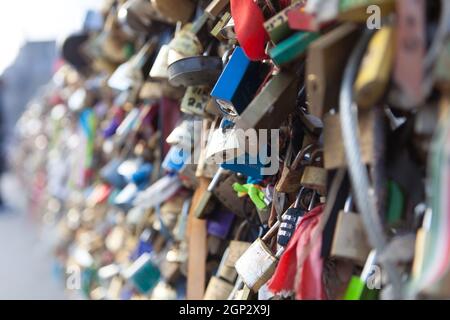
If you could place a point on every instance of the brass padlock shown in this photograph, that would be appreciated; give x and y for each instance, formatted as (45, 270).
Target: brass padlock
(218, 289)
(334, 153)
(326, 60)
(234, 251)
(314, 175)
(175, 10)
(272, 105)
(290, 180)
(217, 31)
(257, 265)
(350, 239)
(195, 100)
(224, 192)
(375, 70)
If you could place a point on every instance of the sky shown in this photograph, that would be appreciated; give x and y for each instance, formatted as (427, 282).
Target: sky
(22, 20)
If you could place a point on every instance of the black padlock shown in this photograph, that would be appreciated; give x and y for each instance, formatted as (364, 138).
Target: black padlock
(289, 220)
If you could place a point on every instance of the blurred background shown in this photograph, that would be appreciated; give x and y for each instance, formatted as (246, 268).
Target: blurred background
(31, 33)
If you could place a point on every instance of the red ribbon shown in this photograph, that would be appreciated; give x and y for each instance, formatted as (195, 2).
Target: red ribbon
(301, 266)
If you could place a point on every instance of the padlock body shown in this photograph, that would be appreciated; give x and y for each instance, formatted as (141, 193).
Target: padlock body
(350, 239)
(218, 289)
(257, 265)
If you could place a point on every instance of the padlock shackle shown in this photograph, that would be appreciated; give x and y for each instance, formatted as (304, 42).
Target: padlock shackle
(300, 155)
(348, 204)
(272, 231)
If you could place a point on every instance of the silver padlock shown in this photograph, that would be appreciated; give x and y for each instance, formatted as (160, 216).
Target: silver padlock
(257, 265)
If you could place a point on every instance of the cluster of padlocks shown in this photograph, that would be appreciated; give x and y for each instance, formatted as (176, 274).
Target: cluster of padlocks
(248, 149)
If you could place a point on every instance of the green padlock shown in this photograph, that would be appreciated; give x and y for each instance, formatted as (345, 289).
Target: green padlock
(292, 48)
(143, 274)
(363, 288)
(396, 204)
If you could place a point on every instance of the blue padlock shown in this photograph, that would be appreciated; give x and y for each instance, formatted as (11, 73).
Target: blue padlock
(175, 159)
(239, 83)
(142, 175)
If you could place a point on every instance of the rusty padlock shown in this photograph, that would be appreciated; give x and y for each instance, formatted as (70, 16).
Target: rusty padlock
(290, 180)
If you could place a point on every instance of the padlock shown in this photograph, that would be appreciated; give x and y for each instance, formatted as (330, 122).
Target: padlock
(114, 289)
(159, 68)
(334, 155)
(184, 44)
(234, 251)
(301, 20)
(323, 11)
(218, 30)
(290, 220)
(216, 7)
(327, 57)
(292, 48)
(130, 75)
(228, 198)
(170, 271)
(154, 90)
(350, 239)
(277, 27)
(195, 71)
(218, 289)
(290, 180)
(195, 100)
(272, 106)
(164, 291)
(374, 74)
(174, 10)
(396, 204)
(257, 265)
(314, 175)
(239, 83)
(358, 288)
(136, 15)
(219, 223)
(143, 274)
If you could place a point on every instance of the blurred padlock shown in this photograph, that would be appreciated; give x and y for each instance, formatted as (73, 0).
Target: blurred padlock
(292, 48)
(195, 71)
(218, 289)
(174, 10)
(334, 155)
(350, 239)
(325, 64)
(195, 100)
(375, 69)
(272, 106)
